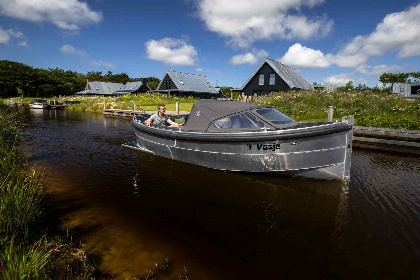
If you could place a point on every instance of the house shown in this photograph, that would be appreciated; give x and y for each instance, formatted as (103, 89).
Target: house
(134, 87)
(105, 88)
(318, 87)
(407, 90)
(185, 84)
(274, 76)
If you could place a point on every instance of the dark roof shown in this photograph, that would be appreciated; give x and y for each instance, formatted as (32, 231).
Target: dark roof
(205, 111)
(131, 87)
(190, 82)
(290, 75)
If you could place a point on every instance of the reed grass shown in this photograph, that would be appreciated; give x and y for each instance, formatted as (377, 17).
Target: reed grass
(20, 198)
(24, 262)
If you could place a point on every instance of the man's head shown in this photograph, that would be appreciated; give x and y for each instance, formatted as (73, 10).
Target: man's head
(161, 109)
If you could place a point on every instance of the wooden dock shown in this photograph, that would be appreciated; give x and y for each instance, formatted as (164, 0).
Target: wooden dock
(370, 135)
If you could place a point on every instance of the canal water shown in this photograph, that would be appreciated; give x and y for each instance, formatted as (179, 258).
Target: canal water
(132, 210)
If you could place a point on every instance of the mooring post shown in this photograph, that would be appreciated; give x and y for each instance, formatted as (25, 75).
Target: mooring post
(134, 106)
(104, 104)
(330, 113)
(231, 94)
(177, 108)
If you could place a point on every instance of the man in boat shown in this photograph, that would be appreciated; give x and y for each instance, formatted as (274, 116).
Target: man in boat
(160, 118)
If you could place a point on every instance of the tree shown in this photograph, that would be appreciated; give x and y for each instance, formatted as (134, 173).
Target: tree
(392, 78)
(153, 82)
(349, 86)
(94, 76)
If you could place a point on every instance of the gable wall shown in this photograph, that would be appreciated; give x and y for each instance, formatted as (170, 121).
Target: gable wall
(163, 85)
(253, 85)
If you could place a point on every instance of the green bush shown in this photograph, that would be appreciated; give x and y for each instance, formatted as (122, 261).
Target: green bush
(409, 122)
(386, 109)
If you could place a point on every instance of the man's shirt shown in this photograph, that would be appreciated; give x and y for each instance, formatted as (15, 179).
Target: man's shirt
(156, 119)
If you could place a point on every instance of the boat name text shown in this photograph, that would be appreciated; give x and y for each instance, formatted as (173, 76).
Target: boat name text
(265, 147)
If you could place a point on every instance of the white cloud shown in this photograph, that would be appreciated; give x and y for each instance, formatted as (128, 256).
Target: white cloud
(171, 51)
(69, 49)
(4, 36)
(378, 70)
(249, 58)
(246, 21)
(361, 74)
(397, 31)
(305, 57)
(15, 34)
(102, 63)
(340, 79)
(23, 44)
(199, 69)
(66, 14)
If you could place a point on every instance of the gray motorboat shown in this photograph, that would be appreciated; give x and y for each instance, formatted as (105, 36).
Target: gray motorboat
(236, 136)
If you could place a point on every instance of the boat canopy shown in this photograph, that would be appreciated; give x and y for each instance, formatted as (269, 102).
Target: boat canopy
(38, 101)
(217, 115)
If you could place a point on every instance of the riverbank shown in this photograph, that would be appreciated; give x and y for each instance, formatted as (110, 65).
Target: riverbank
(27, 250)
(33, 242)
(370, 109)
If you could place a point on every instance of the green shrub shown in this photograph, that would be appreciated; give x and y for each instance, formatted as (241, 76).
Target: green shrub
(405, 121)
(398, 112)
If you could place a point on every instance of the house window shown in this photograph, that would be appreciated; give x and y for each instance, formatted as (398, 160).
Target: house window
(261, 82)
(168, 84)
(272, 79)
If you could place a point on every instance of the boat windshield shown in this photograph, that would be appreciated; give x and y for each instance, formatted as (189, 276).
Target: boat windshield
(274, 116)
(245, 120)
(38, 101)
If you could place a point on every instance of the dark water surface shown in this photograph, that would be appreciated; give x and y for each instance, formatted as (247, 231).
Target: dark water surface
(133, 210)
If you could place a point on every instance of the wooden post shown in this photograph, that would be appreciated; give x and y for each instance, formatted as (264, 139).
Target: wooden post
(104, 104)
(134, 106)
(231, 94)
(177, 108)
(330, 113)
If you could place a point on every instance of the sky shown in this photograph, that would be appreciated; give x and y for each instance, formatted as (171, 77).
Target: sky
(329, 42)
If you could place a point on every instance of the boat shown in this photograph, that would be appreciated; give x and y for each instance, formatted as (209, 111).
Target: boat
(237, 136)
(38, 104)
(55, 104)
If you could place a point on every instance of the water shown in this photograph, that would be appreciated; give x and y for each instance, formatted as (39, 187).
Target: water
(132, 210)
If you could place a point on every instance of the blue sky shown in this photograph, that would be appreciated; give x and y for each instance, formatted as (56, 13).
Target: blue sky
(327, 41)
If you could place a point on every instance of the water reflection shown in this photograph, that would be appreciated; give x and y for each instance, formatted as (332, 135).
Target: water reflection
(133, 209)
(217, 224)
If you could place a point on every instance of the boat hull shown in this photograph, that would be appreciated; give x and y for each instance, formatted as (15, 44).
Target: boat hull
(39, 106)
(323, 156)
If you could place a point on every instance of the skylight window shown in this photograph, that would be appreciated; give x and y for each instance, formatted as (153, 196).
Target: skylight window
(181, 82)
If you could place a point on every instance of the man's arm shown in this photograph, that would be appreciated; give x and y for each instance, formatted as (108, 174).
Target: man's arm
(148, 121)
(172, 123)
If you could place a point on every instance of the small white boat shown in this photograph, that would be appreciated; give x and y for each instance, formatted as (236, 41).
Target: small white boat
(39, 104)
(54, 104)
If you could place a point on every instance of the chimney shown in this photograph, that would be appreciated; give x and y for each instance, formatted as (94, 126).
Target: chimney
(87, 84)
(144, 82)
